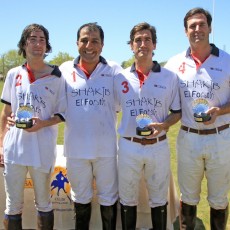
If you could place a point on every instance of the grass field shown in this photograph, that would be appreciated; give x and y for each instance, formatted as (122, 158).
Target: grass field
(203, 207)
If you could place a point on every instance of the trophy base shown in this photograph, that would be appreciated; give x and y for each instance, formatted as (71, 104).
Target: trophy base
(24, 124)
(201, 117)
(143, 131)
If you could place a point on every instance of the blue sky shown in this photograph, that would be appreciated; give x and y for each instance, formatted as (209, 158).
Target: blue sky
(63, 18)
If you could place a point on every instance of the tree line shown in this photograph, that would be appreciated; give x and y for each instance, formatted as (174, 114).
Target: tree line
(12, 59)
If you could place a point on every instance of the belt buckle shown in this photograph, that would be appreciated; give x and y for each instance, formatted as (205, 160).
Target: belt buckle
(143, 141)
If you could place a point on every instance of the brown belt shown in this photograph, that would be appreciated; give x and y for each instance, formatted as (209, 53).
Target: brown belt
(205, 131)
(145, 141)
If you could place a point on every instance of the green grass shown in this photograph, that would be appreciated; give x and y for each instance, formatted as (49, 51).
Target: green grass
(203, 207)
(60, 133)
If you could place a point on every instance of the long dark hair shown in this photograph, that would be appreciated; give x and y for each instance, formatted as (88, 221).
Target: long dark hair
(26, 34)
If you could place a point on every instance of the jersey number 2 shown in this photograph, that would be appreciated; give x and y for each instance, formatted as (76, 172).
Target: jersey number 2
(18, 80)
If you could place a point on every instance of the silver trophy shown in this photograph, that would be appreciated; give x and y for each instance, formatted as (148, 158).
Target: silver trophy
(142, 129)
(200, 107)
(24, 116)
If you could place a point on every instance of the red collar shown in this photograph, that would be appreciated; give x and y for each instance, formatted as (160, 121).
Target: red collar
(31, 75)
(84, 70)
(141, 77)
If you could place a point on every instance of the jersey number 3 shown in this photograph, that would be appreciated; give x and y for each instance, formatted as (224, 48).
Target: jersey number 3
(126, 87)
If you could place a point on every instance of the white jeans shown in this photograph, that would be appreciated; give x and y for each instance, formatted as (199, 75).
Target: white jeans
(154, 160)
(200, 155)
(81, 173)
(14, 179)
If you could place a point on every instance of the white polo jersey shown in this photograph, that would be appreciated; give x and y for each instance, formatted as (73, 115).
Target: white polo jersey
(90, 130)
(210, 83)
(47, 97)
(155, 97)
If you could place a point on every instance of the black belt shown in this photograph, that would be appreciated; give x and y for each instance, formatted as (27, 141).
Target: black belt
(205, 131)
(145, 141)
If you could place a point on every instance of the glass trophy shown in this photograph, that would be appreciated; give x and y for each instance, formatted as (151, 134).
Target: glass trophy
(24, 116)
(200, 107)
(142, 129)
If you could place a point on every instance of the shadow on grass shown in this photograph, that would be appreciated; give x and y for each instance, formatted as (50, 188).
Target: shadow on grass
(199, 224)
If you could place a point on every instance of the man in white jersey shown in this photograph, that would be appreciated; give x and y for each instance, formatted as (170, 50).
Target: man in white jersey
(145, 89)
(90, 134)
(41, 88)
(203, 141)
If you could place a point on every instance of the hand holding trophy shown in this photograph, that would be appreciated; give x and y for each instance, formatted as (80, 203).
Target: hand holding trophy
(200, 107)
(142, 129)
(24, 116)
